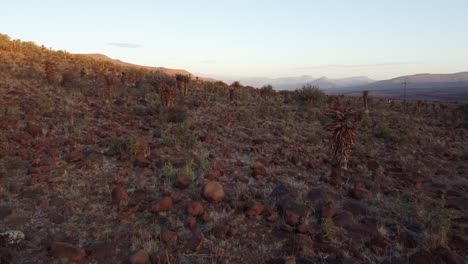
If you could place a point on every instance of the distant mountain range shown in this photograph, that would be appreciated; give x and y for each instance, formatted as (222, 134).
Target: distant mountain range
(418, 81)
(447, 87)
(439, 87)
(292, 83)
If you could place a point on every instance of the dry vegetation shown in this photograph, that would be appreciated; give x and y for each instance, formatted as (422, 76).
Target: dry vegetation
(108, 164)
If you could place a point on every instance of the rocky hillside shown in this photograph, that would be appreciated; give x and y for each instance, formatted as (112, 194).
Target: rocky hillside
(171, 72)
(222, 176)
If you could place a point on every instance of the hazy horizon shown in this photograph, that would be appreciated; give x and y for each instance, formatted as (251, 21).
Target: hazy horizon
(272, 39)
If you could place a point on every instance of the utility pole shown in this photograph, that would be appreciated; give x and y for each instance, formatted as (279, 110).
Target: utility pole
(405, 83)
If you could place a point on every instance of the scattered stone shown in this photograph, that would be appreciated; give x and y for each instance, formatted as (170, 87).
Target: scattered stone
(359, 192)
(119, 196)
(182, 181)
(162, 206)
(292, 218)
(213, 175)
(195, 208)
(191, 223)
(163, 256)
(303, 229)
(60, 250)
(140, 257)
(100, 252)
(259, 171)
(287, 228)
(196, 242)
(142, 162)
(213, 191)
(255, 209)
(75, 155)
(168, 237)
(33, 129)
(206, 217)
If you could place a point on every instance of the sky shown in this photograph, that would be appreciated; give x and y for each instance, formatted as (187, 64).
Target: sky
(380, 39)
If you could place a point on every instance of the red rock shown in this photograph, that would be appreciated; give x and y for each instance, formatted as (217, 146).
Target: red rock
(196, 242)
(75, 155)
(177, 197)
(162, 206)
(213, 175)
(259, 171)
(359, 192)
(119, 196)
(163, 256)
(182, 181)
(291, 260)
(195, 208)
(233, 231)
(33, 129)
(140, 257)
(100, 252)
(142, 162)
(125, 170)
(66, 251)
(303, 229)
(168, 237)
(292, 218)
(146, 173)
(213, 191)
(287, 228)
(205, 217)
(191, 223)
(43, 201)
(255, 209)
(272, 216)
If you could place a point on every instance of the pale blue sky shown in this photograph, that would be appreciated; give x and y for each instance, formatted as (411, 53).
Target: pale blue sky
(377, 38)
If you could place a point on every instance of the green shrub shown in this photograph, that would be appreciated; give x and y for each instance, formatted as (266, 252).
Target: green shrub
(176, 115)
(383, 131)
(168, 171)
(153, 98)
(310, 94)
(10, 111)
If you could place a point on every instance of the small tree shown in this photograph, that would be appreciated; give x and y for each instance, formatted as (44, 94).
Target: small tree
(182, 84)
(234, 86)
(267, 91)
(365, 95)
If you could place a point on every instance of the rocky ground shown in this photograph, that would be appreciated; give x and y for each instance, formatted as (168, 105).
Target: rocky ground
(88, 180)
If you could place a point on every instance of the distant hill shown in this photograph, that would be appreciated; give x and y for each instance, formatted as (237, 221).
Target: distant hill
(292, 83)
(417, 81)
(162, 69)
(447, 87)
